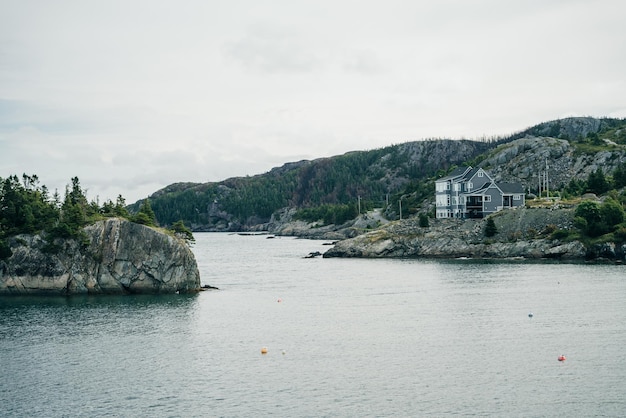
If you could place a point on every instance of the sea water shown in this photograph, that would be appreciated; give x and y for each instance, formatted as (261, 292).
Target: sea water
(344, 338)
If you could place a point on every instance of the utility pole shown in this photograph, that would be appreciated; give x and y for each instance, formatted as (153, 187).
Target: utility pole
(400, 204)
(547, 182)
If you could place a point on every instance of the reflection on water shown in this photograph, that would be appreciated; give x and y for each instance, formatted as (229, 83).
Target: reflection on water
(344, 337)
(87, 301)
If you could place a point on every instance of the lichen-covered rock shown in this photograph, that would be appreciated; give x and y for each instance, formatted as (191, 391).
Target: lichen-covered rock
(118, 257)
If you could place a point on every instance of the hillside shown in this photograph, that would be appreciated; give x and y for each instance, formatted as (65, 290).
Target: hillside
(572, 148)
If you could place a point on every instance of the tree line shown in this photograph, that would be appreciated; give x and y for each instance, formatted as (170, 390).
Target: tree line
(27, 207)
(329, 186)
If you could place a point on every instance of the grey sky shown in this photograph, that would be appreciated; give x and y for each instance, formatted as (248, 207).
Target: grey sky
(131, 96)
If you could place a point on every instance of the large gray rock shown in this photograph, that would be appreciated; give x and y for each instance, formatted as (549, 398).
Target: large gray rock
(118, 257)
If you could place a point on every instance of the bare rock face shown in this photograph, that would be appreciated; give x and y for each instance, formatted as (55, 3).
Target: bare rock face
(523, 159)
(118, 257)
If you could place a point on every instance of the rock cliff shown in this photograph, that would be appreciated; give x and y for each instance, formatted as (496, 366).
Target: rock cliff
(523, 233)
(117, 257)
(523, 159)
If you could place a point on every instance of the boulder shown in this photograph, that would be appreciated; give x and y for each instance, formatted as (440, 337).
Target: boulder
(117, 257)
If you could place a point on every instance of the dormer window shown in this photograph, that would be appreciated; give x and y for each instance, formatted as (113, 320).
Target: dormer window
(480, 173)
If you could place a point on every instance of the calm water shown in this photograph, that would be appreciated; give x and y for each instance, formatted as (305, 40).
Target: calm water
(345, 338)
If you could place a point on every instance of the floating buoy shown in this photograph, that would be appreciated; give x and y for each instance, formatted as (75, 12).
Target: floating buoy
(284, 352)
(530, 315)
(264, 350)
(561, 357)
(279, 300)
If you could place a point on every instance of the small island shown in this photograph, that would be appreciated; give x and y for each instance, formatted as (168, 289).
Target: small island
(82, 248)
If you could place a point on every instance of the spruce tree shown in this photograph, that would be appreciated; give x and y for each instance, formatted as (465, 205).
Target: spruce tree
(490, 228)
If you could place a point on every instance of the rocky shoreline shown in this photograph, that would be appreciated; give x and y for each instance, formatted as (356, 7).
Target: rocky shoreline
(118, 257)
(522, 234)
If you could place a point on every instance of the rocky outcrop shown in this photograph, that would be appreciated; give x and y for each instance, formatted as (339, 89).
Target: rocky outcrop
(285, 225)
(523, 160)
(523, 233)
(117, 257)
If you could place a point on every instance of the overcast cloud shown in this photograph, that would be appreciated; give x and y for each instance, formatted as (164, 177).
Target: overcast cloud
(131, 95)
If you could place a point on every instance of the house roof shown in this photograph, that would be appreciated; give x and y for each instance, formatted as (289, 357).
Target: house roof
(506, 188)
(482, 189)
(457, 172)
(466, 173)
(472, 172)
(510, 188)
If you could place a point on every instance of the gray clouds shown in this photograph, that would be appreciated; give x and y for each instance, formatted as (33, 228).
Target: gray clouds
(132, 96)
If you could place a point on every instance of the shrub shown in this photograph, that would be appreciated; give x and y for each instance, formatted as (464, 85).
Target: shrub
(5, 250)
(589, 211)
(514, 236)
(549, 229)
(612, 213)
(620, 234)
(594, 219)
(560, 234)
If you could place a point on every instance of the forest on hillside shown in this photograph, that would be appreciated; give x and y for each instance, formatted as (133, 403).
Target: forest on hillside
(332, 190)
(335, 189)
(345, 183)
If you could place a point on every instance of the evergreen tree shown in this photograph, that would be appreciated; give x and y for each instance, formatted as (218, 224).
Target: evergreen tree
(619, 176)
(597, 183)
(490, 228)
(181, 230)
(145, 216)
(120, 207)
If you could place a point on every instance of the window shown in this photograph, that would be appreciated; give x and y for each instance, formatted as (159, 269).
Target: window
(469, 185)
(448, 186)
(480, 173)
(457, 187)
(454, 202)
(487, 198)
(517, 197)
(441, 187)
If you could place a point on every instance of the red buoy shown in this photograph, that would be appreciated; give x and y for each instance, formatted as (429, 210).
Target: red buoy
(561, 357)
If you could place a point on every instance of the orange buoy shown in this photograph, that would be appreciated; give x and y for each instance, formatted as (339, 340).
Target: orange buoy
(561, 357)
(264, 350)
